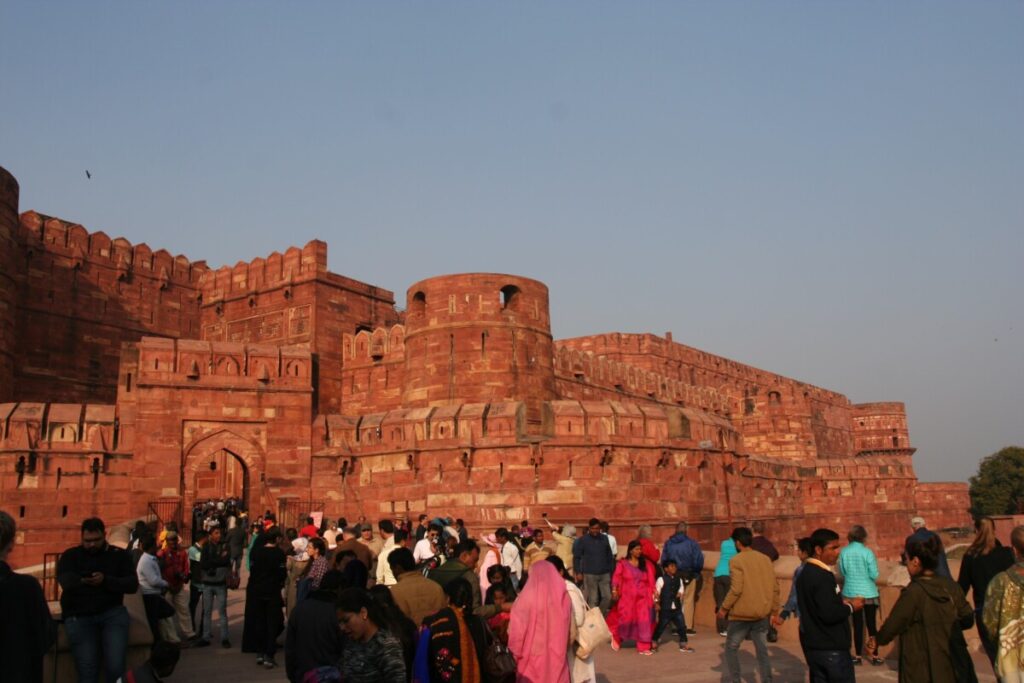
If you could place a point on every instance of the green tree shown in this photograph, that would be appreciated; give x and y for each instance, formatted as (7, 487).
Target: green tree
(998, 487)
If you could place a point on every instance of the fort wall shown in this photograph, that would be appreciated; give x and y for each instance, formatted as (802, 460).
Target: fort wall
(10, 268)
(83, 294)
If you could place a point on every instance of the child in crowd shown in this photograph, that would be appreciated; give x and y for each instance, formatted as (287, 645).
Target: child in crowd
(498, 596)
(668, 601)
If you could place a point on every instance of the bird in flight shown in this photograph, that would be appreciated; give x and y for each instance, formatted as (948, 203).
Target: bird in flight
(87, 174)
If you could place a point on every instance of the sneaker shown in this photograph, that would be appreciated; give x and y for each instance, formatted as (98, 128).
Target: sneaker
(723, 633)
(259, 660)
(691, 632)
(686, 649)
(269, 663)
(226, 644)
(857, 661)
(877, 661)
(202, 643)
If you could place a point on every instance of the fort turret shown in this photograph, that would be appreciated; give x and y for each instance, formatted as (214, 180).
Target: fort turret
(478, 338)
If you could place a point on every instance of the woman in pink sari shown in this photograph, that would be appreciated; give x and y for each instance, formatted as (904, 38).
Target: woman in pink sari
(633, 591)
(538, 630)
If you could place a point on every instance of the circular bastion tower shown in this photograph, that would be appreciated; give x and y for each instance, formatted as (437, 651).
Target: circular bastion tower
(8, 285)
(478, 338)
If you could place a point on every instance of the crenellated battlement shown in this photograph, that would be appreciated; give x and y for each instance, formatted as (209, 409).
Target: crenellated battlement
(293, 266)
(77, 247)
(58, 427)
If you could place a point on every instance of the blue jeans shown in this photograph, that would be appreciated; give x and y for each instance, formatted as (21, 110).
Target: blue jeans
(87, 634)
(736, 633)
(830, 666)
(211, 595)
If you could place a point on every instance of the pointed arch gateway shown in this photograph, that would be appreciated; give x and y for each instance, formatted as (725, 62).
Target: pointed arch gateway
(223, 464)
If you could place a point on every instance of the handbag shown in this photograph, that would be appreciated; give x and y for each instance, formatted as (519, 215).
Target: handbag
(233, 581)
(593, 633)
(498, 665)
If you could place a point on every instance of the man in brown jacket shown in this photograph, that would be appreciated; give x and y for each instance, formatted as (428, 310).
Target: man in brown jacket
(752, 600)
(416, 595)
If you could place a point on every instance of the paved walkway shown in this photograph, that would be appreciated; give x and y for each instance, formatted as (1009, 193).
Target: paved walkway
(626, 666)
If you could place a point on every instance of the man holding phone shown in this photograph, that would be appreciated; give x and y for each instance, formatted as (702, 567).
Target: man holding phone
(95, 577)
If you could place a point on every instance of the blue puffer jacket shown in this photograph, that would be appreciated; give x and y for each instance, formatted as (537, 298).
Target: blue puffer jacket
(860, 570)
(728, 552)
(688, 556)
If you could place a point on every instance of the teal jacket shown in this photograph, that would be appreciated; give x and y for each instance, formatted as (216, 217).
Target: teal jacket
(728, 552)
(860, 570)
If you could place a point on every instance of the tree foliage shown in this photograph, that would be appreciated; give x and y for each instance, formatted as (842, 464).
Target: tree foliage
(998, 487)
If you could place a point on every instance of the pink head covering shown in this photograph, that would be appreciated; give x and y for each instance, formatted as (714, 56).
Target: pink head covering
(538, 633)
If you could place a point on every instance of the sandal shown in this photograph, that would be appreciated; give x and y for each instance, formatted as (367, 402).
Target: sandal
(647, 653)
(877, 661)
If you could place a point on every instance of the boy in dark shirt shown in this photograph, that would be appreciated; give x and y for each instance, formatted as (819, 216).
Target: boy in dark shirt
(669, 603)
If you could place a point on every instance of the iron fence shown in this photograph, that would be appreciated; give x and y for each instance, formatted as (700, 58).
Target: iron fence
(51, 587)
(293, 513)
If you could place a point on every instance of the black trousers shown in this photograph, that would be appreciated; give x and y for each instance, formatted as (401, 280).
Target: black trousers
(671, 616)
(868, 615)
(194, 594)
(721, 589)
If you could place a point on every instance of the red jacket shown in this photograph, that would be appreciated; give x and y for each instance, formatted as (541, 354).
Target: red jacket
(310, 531)
(649, 551)
(174, 566)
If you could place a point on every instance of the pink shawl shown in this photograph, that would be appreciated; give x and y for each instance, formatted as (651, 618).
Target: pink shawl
(538, 632)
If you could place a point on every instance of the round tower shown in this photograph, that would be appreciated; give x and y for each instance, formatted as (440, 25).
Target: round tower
(478, 338)
(8, 284)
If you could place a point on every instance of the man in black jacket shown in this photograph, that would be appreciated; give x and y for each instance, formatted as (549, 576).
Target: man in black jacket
(95, 577)
(824, 615)
(593, 561)
(216, 565)
(26, 629)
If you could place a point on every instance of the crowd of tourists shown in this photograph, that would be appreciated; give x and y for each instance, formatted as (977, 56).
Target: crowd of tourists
(425, 602)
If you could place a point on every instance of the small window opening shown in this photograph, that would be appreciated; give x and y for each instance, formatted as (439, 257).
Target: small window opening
(21, 511)
(156, 364)
(128, 383)
(895, 442)
(418, 305)
(64, 511)
(748, 406)
(509, 295)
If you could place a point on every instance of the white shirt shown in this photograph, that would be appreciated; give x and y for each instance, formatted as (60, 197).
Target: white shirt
(422, 551)
(614, 544)
(148, 571)
(510, 558)
(384, 575)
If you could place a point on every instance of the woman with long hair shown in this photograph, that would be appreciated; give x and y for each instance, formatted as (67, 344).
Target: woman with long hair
(395, 621)
(859, 568)
(928, 617)
(984, 559)
(633, 595)
(370, 654)
(538, 632)
(453, 640)
(264, 619)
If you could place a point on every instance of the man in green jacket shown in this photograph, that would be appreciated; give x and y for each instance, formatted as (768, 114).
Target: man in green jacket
(462, 566)
(752, 600)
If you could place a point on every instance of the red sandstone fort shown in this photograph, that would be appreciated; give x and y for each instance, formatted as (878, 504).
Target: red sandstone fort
(133, 382)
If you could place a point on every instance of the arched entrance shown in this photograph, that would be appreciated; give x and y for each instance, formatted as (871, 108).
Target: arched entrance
(226, 476)
(223, 464)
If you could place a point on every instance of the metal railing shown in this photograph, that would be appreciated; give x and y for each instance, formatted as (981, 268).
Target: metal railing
(293, 513)
(51, 587)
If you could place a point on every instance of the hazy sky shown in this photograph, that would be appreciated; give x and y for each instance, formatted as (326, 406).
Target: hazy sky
(829, 190)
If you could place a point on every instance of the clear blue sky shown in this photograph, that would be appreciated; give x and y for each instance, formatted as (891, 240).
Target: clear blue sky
(829, 190)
